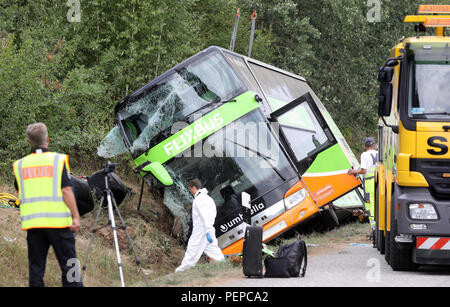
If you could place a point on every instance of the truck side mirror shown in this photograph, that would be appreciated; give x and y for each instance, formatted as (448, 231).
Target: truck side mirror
(385, 74)
(385, 99)
(160, 173)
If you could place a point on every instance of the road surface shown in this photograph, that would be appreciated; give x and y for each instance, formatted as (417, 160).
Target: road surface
(353, 266)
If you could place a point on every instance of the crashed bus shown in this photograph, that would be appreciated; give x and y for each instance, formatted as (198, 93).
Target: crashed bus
(243, 128)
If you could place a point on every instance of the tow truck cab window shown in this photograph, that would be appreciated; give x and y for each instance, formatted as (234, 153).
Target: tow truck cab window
(429, 79)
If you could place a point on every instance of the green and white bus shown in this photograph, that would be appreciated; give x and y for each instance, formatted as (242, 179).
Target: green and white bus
(241, 127)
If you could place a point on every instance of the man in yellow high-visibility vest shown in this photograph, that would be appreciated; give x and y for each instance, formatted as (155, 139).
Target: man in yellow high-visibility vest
(48, 208)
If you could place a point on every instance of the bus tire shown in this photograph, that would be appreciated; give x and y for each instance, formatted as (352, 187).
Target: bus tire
(328, 218)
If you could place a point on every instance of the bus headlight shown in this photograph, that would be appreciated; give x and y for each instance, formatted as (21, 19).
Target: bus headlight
(422, 212)
(294, 199)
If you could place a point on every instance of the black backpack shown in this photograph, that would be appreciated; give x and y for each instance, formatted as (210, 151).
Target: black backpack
(289, 259)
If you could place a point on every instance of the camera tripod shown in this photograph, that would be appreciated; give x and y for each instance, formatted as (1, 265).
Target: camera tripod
(111, 206)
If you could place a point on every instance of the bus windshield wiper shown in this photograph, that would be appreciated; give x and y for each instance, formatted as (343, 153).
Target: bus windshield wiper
(212, 103)
(266, 158)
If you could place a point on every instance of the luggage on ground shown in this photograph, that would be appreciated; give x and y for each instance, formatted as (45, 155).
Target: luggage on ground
(289, 259)
(252, 252)
(83, 195)
(117, 187)
(276, 267)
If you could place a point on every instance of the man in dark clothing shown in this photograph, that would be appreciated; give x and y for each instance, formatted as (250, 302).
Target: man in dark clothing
(231, 205)
(49, 213)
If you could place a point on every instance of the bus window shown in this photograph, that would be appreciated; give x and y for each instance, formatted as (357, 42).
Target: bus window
(231, 162)
(303, 129)
(182, 92)
(246, 75)
(279, 88)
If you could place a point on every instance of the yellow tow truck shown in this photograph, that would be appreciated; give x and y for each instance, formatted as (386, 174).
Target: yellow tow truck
(412, 179)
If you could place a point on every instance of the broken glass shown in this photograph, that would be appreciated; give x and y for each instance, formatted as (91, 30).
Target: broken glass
(231, 162)
(112, 145)
(185, 90)
(178, 200)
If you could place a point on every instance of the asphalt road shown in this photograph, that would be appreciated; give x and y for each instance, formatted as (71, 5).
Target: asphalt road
(353, 266)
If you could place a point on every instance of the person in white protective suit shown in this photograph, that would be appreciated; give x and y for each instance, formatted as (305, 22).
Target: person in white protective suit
(203, 237)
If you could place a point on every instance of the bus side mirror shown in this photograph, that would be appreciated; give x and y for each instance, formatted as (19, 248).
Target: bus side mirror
(160, 173)
(385, 99)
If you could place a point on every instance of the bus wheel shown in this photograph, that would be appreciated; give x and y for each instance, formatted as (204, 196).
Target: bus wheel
(328, 218)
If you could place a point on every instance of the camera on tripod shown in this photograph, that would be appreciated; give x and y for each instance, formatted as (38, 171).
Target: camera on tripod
(82, 188)
(109, 167)
(110, 190)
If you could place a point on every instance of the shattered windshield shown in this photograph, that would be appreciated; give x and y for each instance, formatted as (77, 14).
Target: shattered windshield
(208, 79)
(242, 157)
(430, 83)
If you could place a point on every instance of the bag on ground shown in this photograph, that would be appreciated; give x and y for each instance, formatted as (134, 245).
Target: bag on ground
(82, 193)
(252, 252)
(276, 267)
(295, 254)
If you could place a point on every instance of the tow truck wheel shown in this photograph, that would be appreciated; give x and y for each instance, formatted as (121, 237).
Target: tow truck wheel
(375, 210)
(400, 257)
(387, 243)
(378, 234)
(387, 253)
(382, 237)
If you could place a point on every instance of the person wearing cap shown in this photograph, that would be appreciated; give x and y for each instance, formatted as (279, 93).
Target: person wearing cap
(369, 159)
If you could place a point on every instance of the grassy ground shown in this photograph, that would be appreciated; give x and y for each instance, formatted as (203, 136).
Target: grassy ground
(158, 250)
(149, 229)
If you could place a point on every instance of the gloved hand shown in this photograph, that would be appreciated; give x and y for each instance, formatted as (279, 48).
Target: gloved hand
(208, 236)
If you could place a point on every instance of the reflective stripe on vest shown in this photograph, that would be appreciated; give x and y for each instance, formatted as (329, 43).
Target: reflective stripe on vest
(370, 173)
(44, 172)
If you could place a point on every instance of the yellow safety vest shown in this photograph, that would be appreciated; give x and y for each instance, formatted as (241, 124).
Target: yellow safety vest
(39, 178)
(369, 187)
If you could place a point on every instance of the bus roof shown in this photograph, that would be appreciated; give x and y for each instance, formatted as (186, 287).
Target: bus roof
(136, 94)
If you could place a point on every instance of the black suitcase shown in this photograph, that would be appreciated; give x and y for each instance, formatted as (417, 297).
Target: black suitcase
(252, 252)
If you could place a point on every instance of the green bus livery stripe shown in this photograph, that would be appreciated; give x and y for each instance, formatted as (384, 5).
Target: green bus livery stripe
(331, 160)
(200, 129)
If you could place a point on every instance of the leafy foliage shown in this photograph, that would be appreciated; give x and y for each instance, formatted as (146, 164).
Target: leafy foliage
(71, 74)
